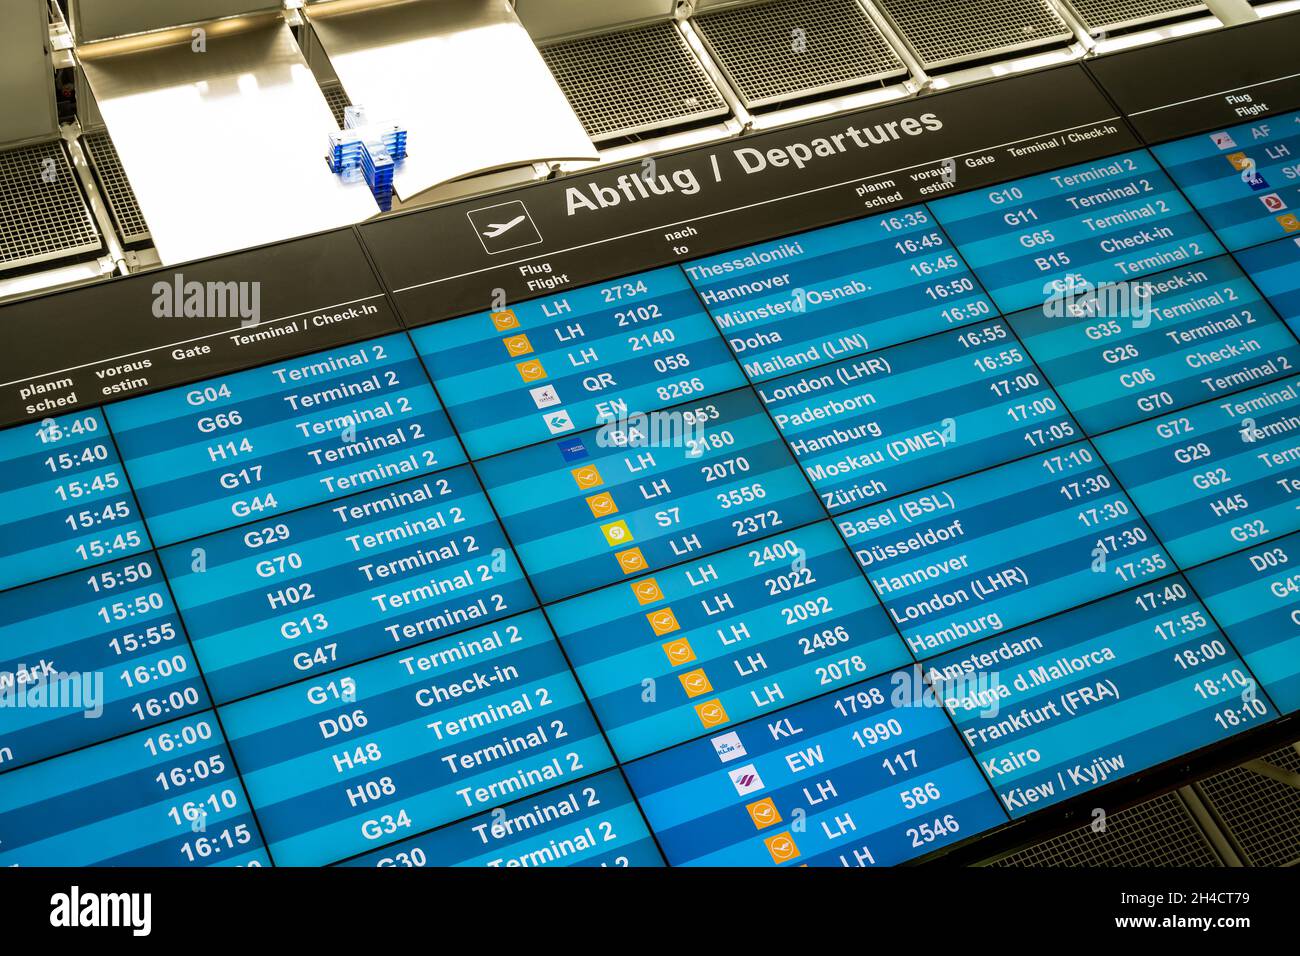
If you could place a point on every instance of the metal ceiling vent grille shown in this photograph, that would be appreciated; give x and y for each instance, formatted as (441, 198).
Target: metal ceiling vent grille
(1261, 815)
(1160, 832)
(43, 216)
(1102, 15)
(338, 101)
(116, 188)
(630, 82)
(945, 32)
(789, 49)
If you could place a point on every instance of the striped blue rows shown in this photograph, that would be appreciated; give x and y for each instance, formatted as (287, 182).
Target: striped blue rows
(394, 697)
(1245, 180)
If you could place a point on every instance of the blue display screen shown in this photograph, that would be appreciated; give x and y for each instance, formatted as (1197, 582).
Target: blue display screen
(725, 638)
(970, 558)
(1109, 221)
(1275, 269)
(1061, 707)
(848, 779)
(1255, 597)
(593, 509)
(1245, 179)
(257, 443)
(518, 376)
(838, 548)
(871, 427)
(408, 741)
(836, 292)
(1197, 332)
(1214, 478)
(329, 585)
(163, 797)
(93, 654)
(67, 503)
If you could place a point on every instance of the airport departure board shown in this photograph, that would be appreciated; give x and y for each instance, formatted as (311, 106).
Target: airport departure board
(830, 496)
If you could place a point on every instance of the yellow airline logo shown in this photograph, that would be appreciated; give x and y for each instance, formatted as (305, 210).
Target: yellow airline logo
(531, 370)
(602, 505)
(782, 848)
(631, 560)
(695, 683)
(647, 591)
(663, 621)
(505, 320)
(587, 477)
(711, 713)
(616, 533)
(517, 344)
(764, 813)
(679, 652)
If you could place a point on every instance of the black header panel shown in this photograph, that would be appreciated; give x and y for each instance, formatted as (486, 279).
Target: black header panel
(169, 327)
(1206, 81)
(590, 227)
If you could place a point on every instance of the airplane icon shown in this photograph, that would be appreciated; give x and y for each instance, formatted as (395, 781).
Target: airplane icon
(504, 226)
(495, 229)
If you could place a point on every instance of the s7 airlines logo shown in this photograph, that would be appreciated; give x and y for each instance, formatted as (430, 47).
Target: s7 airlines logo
(617, 533)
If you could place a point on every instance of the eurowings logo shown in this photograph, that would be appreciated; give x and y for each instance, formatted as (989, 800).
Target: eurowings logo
(746, 779)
